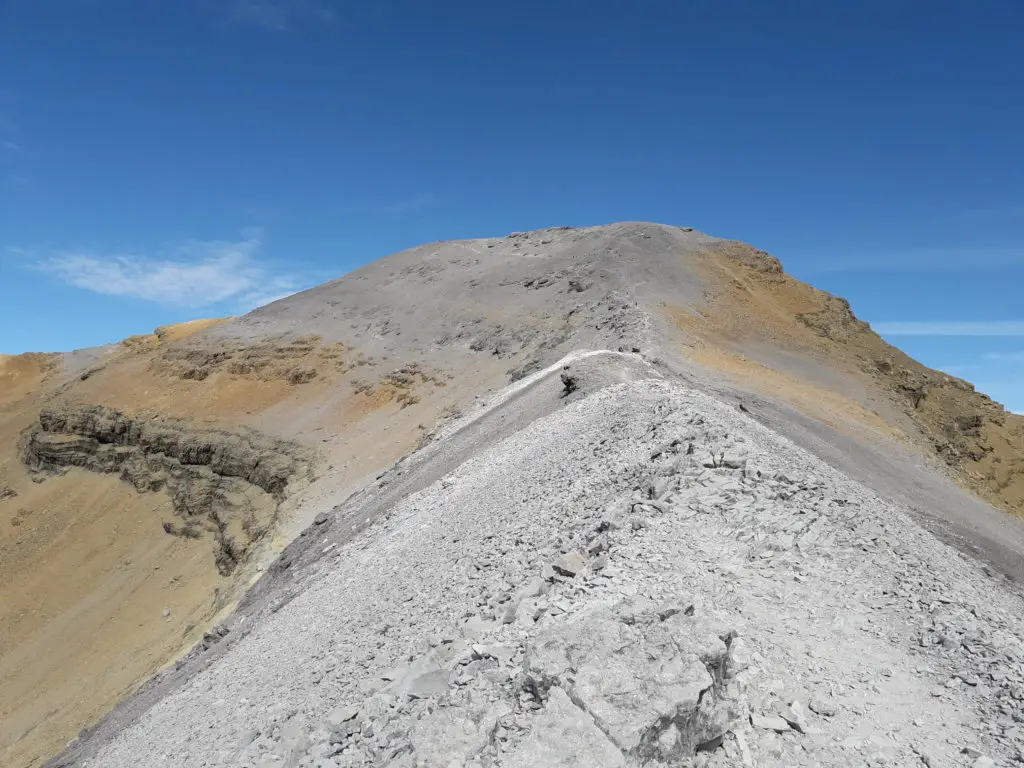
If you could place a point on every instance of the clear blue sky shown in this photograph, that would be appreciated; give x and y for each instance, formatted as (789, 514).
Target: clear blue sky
(167, 159)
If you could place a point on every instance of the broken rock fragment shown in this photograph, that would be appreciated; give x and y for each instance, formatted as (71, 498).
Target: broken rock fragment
(503, 654)
(769, 723)
(654, 687)
(565, 736)
(455, 735)
(428, 684)
(822, 706)
(342, 723)
(569, 564)
(795, 715)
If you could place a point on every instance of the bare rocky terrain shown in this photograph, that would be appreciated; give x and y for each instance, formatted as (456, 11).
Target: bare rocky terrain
(225, 483)
(625, 495)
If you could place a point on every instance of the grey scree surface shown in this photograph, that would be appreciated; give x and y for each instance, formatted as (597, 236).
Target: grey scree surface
(644, 575)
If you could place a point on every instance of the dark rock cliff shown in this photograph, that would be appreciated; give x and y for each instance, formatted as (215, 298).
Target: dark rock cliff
(224, 484)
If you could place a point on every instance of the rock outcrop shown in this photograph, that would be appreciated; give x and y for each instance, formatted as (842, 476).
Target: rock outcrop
(658, 688)
(225, 484)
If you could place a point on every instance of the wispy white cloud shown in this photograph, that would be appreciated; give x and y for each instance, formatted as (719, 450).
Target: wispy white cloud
(10, 146)
(16, 181)
(276, 15)
(884, 259)
(192, 274)
(1003, 211)
(1005, 357)
(951, 328)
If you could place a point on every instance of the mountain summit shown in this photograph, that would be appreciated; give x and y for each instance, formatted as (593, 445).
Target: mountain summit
(412, 517)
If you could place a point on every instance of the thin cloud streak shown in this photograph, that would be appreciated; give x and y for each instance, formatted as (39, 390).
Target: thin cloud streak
(1005, 357)
(195, 274)
(939, 258)
(950, 328)
(276, 15)
(1011, 211)
(17, 181)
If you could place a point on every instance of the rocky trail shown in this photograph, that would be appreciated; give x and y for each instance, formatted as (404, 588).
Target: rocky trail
(644, 576)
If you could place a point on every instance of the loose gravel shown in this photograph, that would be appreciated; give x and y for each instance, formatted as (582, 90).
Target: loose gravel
(646, 576)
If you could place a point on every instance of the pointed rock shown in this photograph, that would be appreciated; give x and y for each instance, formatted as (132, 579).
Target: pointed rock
(569, 564)
(795, 715)
(428, 684)
(769, 723)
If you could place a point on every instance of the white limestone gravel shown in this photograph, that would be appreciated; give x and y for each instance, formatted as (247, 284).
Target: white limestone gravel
(851, 636)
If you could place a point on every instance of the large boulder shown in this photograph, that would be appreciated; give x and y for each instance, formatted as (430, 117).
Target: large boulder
(659, 688)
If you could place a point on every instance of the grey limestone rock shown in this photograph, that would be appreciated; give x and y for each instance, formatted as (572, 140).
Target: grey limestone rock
(822, 706)
(795, 715)
(565, 736)
(454, 735)
(433, 683)
(569, 564)
(655, 687)
(769, 723)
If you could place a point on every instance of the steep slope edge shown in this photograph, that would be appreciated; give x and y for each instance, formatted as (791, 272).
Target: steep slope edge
(643, 576)
(768, 318)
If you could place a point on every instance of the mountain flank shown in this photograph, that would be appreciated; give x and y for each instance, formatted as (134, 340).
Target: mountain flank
(155, 492)
(775, 321)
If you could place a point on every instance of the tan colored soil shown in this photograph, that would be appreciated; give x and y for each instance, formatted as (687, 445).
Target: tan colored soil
(86, 569)
(813, 352)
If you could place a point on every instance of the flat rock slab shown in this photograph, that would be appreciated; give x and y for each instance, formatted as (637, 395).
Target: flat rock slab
(565, 736)
(428, 684)
(646, 682)
(769, 723)
(455, 735)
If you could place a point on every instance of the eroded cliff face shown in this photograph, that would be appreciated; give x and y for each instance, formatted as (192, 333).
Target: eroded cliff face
(223, 484)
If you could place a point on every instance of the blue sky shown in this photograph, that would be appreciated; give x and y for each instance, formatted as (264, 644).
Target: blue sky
(167, 159)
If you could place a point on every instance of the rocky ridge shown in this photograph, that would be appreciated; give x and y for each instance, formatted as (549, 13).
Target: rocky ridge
(221, 483)
(645, 577)
(361, 367)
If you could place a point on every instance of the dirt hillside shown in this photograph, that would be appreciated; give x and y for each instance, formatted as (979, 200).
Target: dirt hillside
(145, 486)
(114, 559)
(759, 324)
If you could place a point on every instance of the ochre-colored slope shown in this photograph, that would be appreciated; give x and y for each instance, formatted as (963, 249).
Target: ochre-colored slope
(86, 577)
(95, 595)
(784, 337)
